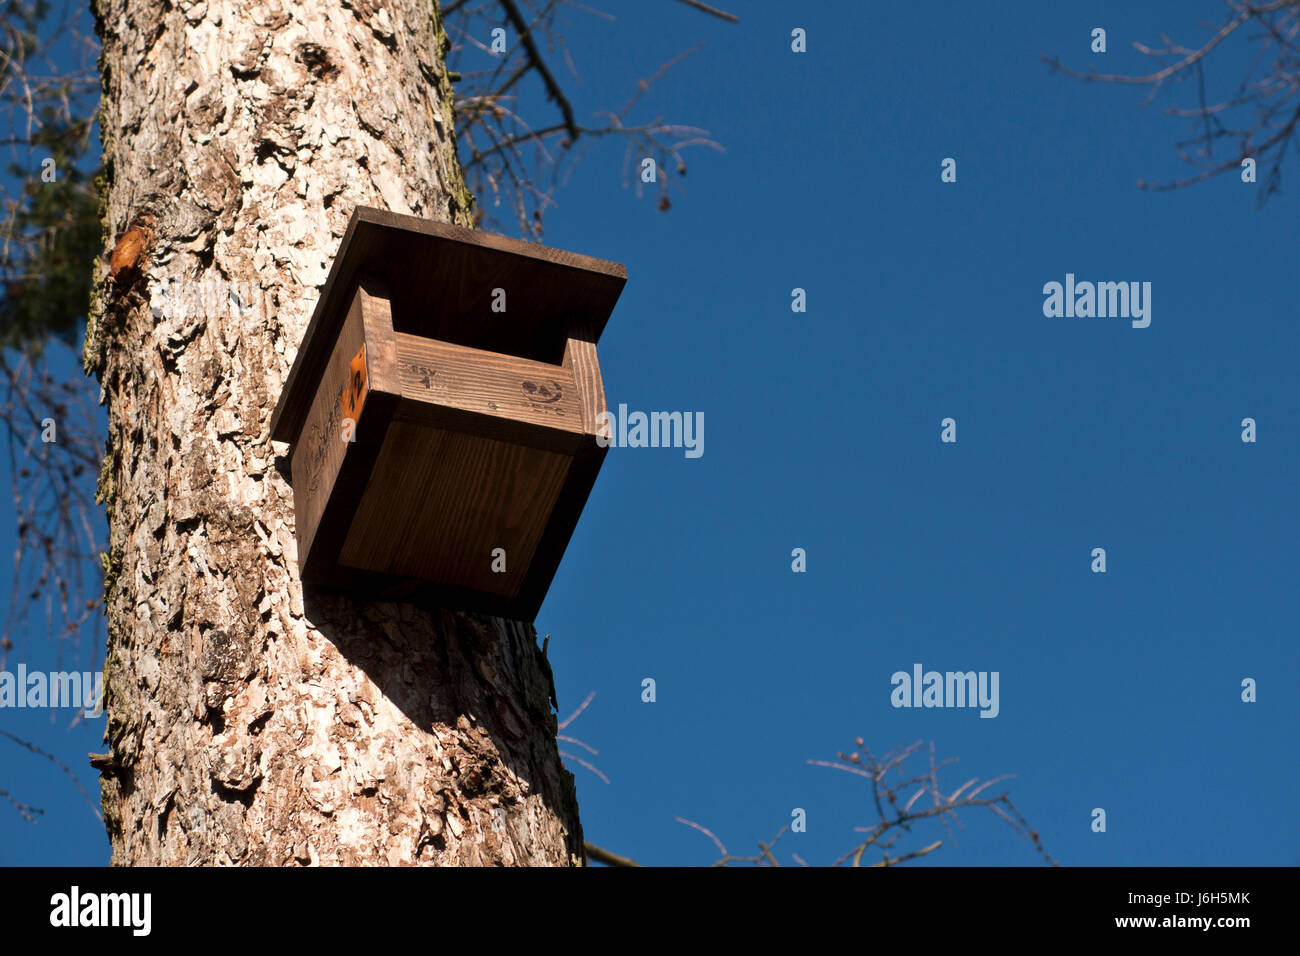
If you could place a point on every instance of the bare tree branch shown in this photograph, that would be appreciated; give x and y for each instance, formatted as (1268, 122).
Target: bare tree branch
(1260, 118)
(553, 91)
(894, 822)
(514, 161)
(714, 11)
(601, 855)
(58, 763)
(52, 435)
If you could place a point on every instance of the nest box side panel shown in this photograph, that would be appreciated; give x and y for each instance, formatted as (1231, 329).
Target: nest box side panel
(357, 387)
(581, 361)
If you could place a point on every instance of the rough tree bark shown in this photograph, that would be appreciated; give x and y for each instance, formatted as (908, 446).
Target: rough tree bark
(250, 723)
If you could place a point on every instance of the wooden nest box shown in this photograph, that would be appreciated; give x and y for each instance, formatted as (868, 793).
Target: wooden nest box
(441, 414)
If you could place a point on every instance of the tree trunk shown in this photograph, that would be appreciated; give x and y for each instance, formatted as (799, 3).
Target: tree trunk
(250, 723)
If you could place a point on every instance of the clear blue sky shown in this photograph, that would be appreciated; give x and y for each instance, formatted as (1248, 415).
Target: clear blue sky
(1118, 690)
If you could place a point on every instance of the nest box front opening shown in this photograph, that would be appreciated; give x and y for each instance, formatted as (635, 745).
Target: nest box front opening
(441, 447)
